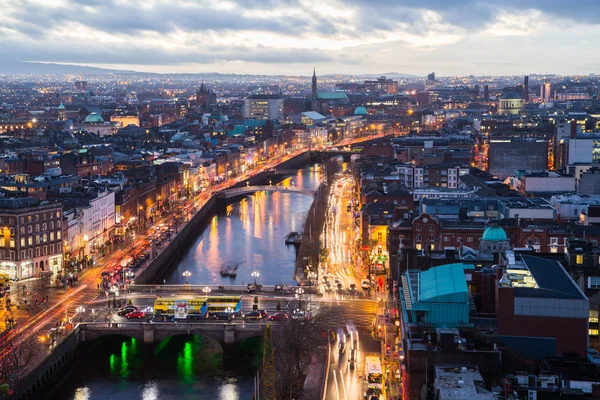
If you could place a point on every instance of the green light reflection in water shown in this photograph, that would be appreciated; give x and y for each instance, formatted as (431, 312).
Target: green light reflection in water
(112, 365)
(185, 363)
(124, 363)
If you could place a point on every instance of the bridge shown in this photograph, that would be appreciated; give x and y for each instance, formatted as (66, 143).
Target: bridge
(226, 333)
(242, 190)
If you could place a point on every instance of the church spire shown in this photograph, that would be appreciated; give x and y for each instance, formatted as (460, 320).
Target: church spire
(314, 84)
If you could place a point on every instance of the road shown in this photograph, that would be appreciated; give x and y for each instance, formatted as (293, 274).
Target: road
(355, 312)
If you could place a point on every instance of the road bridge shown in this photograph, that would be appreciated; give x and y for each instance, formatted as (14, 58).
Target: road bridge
(226, 333)
(239, 191)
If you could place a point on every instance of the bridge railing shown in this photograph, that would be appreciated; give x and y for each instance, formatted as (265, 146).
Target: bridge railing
(201, 290)
(109, 326)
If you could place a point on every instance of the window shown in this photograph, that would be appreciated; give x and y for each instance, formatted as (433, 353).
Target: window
(37, 217)
(30, 240)
(22, 242)
(536, 240)
(593, 282)
(418, 227)
(418, 246)
(554, 241)
(37, 239)
(51, 225)
(431, 238)
(2, 242)
(29, 219)
(37, 227)
(44, 227)
(593, 332)
(22, 230)
(446, 239)
(44, 238)
(431, 228)
(12, 243)
(12, 231)
(579, 259)
(22, 220)
(30, 253)
(57, 214)
(29, 229)
(51, 249)
(469, 239)
(58, 235)
(58, 224)
(45, 250)
(418, 238)
(51, 236)
(37, 251)
(22, 254)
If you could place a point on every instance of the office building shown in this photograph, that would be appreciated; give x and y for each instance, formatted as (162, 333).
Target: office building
(263, 107)
(507, 156)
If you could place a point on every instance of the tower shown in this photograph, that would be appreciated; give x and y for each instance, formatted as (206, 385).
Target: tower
(486, 93)
(314, 84)
(526, 89)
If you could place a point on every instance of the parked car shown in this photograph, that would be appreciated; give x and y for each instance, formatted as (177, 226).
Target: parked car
(280, 316)
(365, 284)
(126, 310)
(263, 313)
(352, 287)
(253, 315)
(372, 391)
(136, 314)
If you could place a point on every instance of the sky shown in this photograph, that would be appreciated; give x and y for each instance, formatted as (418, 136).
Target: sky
(290, 37)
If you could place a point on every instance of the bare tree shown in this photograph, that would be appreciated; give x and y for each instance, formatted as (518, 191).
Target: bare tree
(16, 352)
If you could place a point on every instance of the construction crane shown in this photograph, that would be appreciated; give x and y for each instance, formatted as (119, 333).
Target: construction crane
(268, 365)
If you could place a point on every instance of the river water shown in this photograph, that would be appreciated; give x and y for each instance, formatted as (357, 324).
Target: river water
(250, 233)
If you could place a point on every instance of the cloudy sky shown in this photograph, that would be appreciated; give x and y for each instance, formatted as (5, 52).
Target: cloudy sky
(450, 37)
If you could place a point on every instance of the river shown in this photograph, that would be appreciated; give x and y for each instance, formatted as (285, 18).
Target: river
(250, 233)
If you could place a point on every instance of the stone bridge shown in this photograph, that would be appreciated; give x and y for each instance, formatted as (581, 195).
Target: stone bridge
(242, 190)
(226, 333)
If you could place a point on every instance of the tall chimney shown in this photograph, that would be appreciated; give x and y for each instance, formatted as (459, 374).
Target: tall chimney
(526, 89)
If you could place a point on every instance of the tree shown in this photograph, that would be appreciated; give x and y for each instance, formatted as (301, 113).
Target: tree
(16, 353)
(323, 255)
(366, 258)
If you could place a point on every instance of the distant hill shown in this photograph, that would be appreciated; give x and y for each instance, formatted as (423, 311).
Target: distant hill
(33, 68)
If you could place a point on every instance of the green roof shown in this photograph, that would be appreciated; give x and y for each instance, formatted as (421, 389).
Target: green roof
(494, 233)
(446, 283)
(361, 111)
(94, 118)
(332, 96)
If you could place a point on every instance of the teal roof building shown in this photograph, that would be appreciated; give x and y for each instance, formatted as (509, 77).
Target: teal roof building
(438, 296)
(94, 118)
(494, 233)
(361, 111)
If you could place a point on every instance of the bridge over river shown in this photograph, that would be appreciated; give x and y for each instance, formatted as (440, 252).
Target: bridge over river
(239, 191)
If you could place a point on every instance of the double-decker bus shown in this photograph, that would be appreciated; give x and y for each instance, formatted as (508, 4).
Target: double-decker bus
(197, 307)
(374, 372)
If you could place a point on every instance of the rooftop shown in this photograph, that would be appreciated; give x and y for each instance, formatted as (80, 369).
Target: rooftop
(443, 283)
(460, 382)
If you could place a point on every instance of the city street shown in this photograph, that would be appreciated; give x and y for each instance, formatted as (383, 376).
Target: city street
(355, 313)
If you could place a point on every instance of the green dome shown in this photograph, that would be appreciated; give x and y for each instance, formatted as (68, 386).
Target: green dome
(511, 96)
(361, 111)
(94, 118)
(494, 233)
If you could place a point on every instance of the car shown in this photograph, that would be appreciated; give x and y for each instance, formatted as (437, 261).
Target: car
(365, 284)
(126, 310)
(253, 315)
(222, 316)
(340, 286)
(280, 316)
(263, 313)
(347, 332)
(352, 286)
(328, 288)
(352, 359)
(136, 314)
(342, 347)
(372, 392)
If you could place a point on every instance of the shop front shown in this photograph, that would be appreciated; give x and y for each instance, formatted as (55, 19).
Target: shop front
(9, 268)
(56, 264)
(27, 270)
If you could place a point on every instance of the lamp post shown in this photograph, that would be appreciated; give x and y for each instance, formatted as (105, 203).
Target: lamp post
(80, 310)
(255, 274)
(187, 274)
(93, 315)
(206, 290)
(299, 293)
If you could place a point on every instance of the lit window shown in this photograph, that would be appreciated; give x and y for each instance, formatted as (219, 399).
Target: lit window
(593, 332)
(579, 259)
(418, 246)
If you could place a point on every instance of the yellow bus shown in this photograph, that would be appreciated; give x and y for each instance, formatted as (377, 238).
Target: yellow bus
(196, 308)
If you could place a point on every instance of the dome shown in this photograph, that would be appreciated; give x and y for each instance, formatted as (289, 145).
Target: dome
(61, 106)
(511, 96)
(93, 118)
(494, 233)
(360, 111)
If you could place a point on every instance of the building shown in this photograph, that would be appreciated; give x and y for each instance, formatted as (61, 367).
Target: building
(536, 182)
(94, 123)
(545, 92)
(453, 382)
(205, 97)
(263, 107)
(538, 304)
(507, 156)
(510, 103)
(589, 181)
(382, 85)
(493, 242)
(571, 206)
(31, 242)
(314, 85)
(39, 187)
(526, 208)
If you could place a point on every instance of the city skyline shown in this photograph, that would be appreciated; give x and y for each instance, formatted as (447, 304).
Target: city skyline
(289, 38)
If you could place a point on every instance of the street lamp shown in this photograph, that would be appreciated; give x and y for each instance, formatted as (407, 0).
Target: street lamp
(206, 290)
(80, 310)
(255, 274)
(187, 274)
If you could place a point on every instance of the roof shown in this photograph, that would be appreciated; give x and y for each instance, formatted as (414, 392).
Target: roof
(332, 96)
(494, 233)
(94, 118)
(551, 279)
(511, 96)
(441, 284)
(361, 111)
(17, 202)
(313, 115)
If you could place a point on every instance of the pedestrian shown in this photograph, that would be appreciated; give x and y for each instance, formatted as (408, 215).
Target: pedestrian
(47, 298)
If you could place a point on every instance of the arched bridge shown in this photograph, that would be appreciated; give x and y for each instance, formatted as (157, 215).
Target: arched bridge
(150, 332)
(239, 191)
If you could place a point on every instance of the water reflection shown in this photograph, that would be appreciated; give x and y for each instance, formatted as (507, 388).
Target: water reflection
(251, 232)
